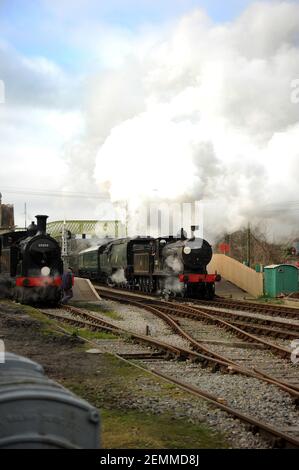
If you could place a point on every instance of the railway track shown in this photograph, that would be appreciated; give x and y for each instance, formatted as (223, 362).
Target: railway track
(79, 317)
(240, 322)
(226, 306)
(277, 438)
(220, 302)
(214, 316)
(245, 306)
(258, 322)
(248, 365)
(195, 312)
(82, 319)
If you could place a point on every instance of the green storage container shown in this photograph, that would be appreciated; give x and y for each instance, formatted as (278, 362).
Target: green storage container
(280, 279)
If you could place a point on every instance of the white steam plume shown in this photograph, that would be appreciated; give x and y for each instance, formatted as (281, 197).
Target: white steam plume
(119, 277)
(203, 110)
(174, 263)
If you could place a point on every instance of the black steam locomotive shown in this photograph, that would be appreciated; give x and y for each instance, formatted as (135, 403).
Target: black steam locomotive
(165, 264)
(31, 267)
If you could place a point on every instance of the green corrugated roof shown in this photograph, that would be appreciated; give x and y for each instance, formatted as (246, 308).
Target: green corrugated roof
(89, 227)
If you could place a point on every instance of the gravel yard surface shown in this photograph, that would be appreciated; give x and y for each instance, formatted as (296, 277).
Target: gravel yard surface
(248, 395)
(251, 355)
(144, 394)
(137, 320)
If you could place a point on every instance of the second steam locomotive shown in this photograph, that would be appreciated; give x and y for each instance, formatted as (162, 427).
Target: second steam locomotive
(172, 265)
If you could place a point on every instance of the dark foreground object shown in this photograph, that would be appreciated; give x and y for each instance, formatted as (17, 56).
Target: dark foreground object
(37, 413)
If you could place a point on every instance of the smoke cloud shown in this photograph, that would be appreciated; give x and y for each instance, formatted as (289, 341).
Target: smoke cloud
(173, 285)
(203, 111)
(174, 263)
(119, 277)
(184, 110)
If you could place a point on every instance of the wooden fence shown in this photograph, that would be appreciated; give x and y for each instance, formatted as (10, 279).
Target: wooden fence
(237, 273)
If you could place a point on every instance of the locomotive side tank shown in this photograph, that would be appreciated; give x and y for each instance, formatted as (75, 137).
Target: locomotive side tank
(127, 261)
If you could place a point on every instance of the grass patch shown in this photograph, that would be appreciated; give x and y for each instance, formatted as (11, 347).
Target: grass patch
(123, 428)
(97, 308)
(131, 429)
(168, 386)
(123, 369)
(87, 334)
(47, 326)
(136, 430)
(37, 315)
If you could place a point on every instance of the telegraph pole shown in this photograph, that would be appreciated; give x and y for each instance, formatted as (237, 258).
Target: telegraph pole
(248, 244)
(64, 243)
(0, 210)
(127, 218)
(25, 214)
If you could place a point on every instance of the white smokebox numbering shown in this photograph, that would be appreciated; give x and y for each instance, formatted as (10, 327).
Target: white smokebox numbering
(2, 92)
(210, 117)
(295, 91)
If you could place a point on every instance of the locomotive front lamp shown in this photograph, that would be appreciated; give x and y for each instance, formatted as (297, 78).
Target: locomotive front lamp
(45, 271)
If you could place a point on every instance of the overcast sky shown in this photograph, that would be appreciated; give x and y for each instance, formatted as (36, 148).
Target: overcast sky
(172, 99)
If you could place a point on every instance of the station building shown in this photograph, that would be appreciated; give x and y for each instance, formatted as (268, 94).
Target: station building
(76, 235)
(7, 220)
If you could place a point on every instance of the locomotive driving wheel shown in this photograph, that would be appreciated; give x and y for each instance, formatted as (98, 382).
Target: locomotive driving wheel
(210, 291)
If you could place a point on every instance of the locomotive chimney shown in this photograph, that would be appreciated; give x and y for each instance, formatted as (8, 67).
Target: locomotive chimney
(183, 234)
(193, 228)
(41, 224)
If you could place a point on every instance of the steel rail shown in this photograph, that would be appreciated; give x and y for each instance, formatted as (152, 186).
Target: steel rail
(230, 365)
(277, 438)
(96, 323)
(175, 308)
(288, 312)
